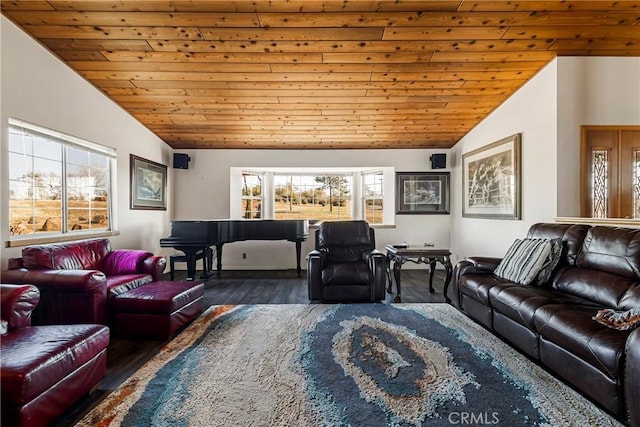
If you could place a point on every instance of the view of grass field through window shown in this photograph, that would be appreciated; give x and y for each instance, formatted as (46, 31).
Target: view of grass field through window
(313, 197)
(55, 186)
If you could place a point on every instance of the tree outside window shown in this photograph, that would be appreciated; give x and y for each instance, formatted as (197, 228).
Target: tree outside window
(320, 197)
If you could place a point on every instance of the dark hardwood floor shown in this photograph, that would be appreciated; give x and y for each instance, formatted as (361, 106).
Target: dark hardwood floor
(125, 356)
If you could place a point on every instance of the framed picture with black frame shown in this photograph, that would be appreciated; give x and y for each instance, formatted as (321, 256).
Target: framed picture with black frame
(422, 192)
(148, 184)
(491, 180)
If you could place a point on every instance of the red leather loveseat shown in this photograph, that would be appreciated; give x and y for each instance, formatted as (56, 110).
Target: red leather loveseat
(44, 369)
(557, 321)
(78, 280)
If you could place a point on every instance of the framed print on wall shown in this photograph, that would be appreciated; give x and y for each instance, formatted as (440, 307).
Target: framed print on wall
(148, 184)
(491, 180)
(422, 192)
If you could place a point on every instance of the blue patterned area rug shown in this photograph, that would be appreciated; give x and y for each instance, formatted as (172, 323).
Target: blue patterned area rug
(341, 365)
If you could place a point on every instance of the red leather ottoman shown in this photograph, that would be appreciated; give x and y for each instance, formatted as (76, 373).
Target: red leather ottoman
(158, 309)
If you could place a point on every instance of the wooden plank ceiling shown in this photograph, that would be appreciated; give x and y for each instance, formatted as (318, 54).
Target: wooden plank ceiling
(319, 74)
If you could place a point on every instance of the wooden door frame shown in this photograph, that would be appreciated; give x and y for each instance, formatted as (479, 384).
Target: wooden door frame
(585, 208)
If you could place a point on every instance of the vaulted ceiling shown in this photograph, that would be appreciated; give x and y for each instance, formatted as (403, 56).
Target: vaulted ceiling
(319, 74)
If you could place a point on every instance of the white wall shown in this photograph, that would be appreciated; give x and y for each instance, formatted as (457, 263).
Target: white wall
(202, 192)
(591, 91)
(38, 88)
(548, 110)
(532, 112)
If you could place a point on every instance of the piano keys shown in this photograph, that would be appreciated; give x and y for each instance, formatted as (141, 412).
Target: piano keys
(192, 237)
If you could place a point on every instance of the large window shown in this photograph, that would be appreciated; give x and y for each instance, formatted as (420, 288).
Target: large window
(315, 197)
(58, 184)
(315, 194)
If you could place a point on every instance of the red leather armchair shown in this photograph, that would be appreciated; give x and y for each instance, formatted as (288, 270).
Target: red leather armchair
(78, 279)
(44, 369)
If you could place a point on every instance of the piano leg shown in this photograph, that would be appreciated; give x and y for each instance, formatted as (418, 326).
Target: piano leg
(208, 260)
(298, 254)
(219, 256)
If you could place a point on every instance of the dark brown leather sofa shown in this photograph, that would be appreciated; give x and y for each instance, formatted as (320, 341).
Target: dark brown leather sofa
(553, 323)
(44, 370)
(345, 266)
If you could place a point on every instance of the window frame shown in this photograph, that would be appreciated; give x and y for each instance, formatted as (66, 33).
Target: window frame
(66, 141)
(260, 197)
(373, 198)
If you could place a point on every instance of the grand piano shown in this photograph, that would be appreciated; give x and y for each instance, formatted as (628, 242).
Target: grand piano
(198, 237)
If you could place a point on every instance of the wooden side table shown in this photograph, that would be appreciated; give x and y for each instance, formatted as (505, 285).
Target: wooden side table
(418, 254)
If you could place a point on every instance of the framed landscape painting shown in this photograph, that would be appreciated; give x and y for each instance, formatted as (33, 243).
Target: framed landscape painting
(491, 180)
(422, 192)
(148, 184)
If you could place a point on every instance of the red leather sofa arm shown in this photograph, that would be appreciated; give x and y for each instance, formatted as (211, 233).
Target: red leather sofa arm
(15, 263)
(632, 377)
(67, 296)
(129, 261)
(17, 302)
(64, 281)
(155, 265)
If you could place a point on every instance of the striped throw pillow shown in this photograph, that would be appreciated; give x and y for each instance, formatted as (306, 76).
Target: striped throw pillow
(551, 263)
(523, 260)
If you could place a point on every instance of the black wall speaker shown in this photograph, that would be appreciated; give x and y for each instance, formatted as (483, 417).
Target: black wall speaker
(181, 161)
(438, 161)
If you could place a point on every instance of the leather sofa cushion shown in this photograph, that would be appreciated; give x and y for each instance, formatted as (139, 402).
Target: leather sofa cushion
(348, 273)
(587, 286)
(345, 253)
(80, 255)
(117, 285)
(612, 250)
(124, 262)
(571, 327)
(158, 297)
(572, 235)
(34, 358)
(477, 286)
(519, 303)
(631, 298)
(344, 241)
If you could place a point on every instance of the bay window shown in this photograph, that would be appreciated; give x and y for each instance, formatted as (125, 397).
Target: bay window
(315, 194)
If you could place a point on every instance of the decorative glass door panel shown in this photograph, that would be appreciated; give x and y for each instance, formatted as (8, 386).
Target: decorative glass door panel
(610, 172)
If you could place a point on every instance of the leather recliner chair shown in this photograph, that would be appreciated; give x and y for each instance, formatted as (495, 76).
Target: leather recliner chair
(345, 266)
